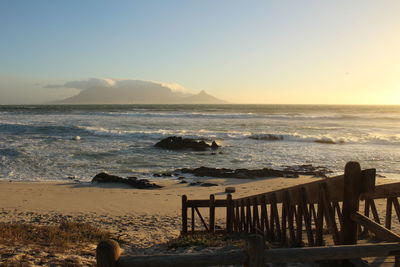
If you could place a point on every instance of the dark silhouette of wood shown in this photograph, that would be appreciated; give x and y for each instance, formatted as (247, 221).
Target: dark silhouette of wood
(212, 214)
(193, 222)
(388, 217)
(243, 216)
(396, 205)
(329, 214)
(319, 223)
(289, 212)
(255, 250)
(202, 219)
(380, 231)
(249, 223)
(107, 253)
(284, 223)
(184, 215)
(229, 214)
(307, 216)
(351, 202)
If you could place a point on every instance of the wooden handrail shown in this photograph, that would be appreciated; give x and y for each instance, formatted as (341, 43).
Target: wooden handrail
(108, 254)
(383, 191)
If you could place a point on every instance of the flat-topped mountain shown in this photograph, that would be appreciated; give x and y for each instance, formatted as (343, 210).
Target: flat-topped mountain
(133, 92)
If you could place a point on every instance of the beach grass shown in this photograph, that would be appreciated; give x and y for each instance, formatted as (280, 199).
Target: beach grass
(61, 236)
(207, 240)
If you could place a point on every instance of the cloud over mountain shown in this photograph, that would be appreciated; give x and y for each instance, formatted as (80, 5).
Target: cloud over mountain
(120, 91)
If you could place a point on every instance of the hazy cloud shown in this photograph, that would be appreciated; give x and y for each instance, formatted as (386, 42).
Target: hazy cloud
(110, 83)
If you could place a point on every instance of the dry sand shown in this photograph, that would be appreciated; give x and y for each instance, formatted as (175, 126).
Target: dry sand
(144, 218)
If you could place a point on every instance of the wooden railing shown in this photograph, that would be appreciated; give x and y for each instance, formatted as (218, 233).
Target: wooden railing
(302, 215)
(285, 215)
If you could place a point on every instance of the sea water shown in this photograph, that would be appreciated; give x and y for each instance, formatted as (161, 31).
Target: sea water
(40, 142)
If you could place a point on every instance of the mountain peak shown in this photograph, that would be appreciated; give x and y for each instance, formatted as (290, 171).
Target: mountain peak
(137, 92)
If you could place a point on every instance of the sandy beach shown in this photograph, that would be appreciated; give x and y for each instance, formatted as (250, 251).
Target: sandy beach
(144, 219)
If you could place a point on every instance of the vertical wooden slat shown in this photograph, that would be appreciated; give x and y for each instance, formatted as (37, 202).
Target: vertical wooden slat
(336, 208)
(396, 207)
(328, 213)
(289, 212)
(243, 222)
(248, 216)
(374, 211)
(351, 202)
(256, 218)
(193, 223)
(236, 225)
(319, 223)
(388, 218)
(299, 225)
(184, 215)
(276, 214)
(313, 214)
(307, 216)
(271, 222)
(284, 222)
(212, 214)
(366, 213)
(264, 215)
(229, 213)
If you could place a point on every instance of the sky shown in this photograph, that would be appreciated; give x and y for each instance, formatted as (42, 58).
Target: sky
(272, 52)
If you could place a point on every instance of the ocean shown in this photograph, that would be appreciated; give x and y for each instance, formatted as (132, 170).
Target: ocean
(36, 142)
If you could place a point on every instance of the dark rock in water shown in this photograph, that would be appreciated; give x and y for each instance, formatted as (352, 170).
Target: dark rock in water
(194, 183)
(179, 143)
(132, 181)
(208, 184)
(183, 182)
(288, 171)
(230, 189)
(214, 145)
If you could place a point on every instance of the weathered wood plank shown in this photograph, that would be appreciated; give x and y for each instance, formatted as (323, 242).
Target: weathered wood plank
(202, 219)
(212, 214)
(383, 191)
(184, 260)
(388, 217)
(205, 203)
(319, 224)
(289, 212)
(351, 202)
(307, 216)
(329, 215)
(255, 250)
(229, 213)
(184, 215)
(107, 253)
(396, 207)
(380, 231)
(306, 254)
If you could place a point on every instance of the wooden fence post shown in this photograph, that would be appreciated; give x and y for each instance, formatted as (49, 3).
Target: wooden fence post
(351, 202)
(212, 214)
(255, 250)
(184, 215)
(229, 213)
(107, 253)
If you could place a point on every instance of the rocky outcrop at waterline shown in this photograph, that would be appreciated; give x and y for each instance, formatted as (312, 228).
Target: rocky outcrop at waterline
(179, 143)
(132, 181)
(287, 171)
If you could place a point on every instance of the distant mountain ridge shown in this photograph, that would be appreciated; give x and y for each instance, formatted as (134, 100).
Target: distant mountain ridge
(138, 92)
